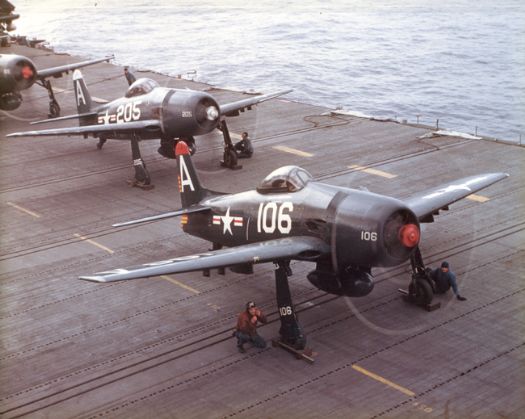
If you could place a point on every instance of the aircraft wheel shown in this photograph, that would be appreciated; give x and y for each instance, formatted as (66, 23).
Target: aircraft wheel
(230, 158)
(54, 110)
(422, 294)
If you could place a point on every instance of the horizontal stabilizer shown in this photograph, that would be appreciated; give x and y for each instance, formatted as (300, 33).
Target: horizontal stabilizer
(63, 118)
(182, 211)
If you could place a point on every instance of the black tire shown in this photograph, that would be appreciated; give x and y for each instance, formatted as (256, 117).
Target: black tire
(422, 294)
(54, 110)
(230, 158)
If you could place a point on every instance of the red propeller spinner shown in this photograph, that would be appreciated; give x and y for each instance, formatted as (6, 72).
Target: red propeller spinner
(409, 235)
(27, 72)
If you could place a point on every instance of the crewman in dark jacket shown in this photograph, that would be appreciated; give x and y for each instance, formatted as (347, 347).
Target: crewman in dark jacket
(244, 148)
(129, 76)
(444, 279)
(246, 330)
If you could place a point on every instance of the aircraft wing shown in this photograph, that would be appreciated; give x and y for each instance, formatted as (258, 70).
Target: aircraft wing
(110, 129)
(266, 251)
(233, 108)
(428, 203)
(58, 71)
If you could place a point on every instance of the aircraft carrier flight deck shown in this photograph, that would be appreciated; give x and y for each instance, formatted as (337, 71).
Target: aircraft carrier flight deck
(163, 346)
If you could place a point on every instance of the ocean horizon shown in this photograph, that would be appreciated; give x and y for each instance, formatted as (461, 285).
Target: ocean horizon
(459, 62)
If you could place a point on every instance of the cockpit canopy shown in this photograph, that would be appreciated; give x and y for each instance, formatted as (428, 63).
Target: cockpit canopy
(141, 87)
(285, 179)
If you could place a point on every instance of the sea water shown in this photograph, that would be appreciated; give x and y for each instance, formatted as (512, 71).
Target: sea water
(461, 62)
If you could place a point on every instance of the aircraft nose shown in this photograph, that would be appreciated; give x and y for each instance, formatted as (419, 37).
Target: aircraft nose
(212, 113)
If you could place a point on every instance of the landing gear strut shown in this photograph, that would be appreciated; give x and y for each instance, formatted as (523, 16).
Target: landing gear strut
(421, 287)
(290, 331)
(54, 107)
(230, 156)
(292, 337)
(142, 178)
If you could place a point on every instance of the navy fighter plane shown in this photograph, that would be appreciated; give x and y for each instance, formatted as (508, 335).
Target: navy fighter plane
(346, 232)
(149, 111)
(6, 21)
(19, 73)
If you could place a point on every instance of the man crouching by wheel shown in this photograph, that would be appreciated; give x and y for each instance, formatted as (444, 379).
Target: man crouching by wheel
(246, 330)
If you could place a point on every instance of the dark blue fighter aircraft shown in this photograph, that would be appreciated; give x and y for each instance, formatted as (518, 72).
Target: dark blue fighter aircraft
(345, 232)
(148, 111)
(18, 73)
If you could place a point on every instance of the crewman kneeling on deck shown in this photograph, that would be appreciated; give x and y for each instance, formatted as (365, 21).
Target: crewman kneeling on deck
(444, 279)
(246, 330)
(244, 148)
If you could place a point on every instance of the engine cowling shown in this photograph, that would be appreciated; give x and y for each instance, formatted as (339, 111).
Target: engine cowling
(16, 73)
(366, 230)
(189, 113)
(371, 230)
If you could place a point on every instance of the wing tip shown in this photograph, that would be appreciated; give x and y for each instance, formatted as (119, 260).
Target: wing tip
(92, 278)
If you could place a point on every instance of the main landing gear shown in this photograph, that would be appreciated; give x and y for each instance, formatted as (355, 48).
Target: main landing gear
(142, 179)
(230, 156)
(421, 287)
(54, 107)
(292, 337)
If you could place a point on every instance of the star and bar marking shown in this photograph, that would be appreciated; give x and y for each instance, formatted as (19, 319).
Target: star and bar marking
(227, 221)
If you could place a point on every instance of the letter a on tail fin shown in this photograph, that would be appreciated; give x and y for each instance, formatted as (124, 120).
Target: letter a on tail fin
(82, 96)
(191, 191)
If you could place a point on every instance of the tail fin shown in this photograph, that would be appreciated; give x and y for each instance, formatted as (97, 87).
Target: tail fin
(190, 188)
(82, 95)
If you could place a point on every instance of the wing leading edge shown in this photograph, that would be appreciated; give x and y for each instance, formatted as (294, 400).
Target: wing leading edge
(289, 248)
(151, 125)
(58, 71)
(233, 108)
(429, 202)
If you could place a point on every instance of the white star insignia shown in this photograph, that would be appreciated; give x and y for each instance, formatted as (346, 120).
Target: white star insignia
(227, 221)
(106, 117)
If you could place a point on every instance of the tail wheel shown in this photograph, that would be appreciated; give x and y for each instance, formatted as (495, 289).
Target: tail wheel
(421, 292)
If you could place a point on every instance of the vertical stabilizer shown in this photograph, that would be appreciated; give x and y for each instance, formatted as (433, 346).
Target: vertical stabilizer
(82, 96)
(190, 188)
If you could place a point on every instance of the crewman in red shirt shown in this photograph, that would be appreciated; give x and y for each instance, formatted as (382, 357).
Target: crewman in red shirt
(246, 330)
